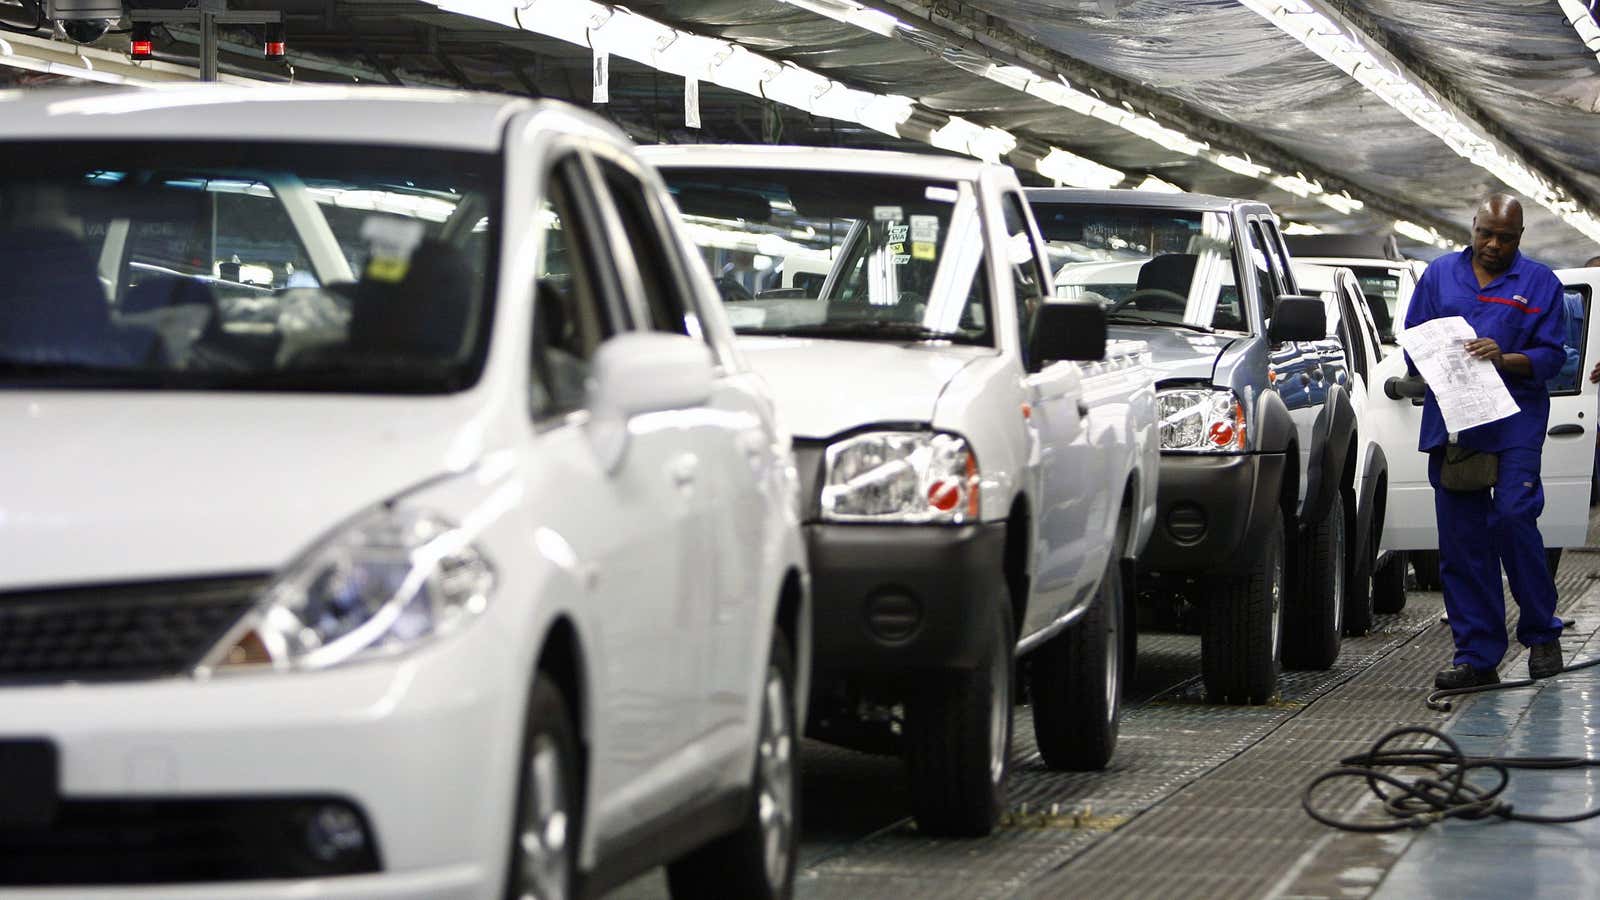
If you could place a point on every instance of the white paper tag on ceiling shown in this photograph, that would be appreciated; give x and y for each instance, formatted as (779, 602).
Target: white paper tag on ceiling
(691, 102)
(602, 77)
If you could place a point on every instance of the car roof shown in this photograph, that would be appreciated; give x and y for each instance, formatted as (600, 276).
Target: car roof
(830, 159)
(1132, 197)
(1353, 261)
(371, 115)
(1314, 276)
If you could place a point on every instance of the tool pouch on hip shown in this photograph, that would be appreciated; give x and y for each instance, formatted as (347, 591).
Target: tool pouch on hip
(1468, 470)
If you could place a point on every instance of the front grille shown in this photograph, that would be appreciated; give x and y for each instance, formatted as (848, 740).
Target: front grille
(161, 841)
(119, 631)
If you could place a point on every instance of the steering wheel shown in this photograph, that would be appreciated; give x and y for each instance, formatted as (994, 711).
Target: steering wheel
(1168, 297)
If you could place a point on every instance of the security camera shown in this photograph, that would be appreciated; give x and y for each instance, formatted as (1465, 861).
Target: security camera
(84, 21)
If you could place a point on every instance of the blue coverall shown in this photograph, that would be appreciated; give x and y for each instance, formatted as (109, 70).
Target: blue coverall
(1479, 531)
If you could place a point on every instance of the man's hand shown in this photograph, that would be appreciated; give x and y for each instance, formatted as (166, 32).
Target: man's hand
(1484, 348)
(1594, 373)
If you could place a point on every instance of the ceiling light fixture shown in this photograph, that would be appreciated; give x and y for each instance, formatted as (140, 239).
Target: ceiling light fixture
(1582, 19)
(621, 32)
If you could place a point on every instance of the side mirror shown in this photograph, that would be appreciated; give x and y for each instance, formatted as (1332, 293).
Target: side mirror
(1071, 330)
(1297, 318)
(642, 372)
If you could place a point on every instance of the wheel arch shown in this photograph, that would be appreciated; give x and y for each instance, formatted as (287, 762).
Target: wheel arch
(1326, 470)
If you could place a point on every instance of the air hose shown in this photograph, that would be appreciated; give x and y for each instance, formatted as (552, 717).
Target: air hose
(1445, 793)
(1437, 700)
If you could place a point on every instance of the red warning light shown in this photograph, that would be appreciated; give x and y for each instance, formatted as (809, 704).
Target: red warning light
(141, 49)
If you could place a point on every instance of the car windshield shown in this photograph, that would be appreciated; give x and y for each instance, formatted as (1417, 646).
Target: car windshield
(1381, 288)
(1145, 266)
(851, 255)
(243, 267)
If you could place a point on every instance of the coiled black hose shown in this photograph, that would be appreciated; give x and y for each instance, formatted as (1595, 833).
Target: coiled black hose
(1446, 793)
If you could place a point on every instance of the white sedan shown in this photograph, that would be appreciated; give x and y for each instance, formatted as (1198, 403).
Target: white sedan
(390, 514)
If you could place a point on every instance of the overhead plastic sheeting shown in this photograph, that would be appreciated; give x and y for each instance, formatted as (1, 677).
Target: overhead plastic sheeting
(1522, 63)
(1228, 61)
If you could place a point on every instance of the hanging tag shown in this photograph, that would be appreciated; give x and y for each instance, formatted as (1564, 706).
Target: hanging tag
(691, 102)
(602, 77)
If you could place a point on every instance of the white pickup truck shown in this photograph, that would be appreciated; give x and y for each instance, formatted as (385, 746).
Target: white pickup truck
(978, 464)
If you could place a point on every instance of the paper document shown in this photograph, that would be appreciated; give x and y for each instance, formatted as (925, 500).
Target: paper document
(1469, 390)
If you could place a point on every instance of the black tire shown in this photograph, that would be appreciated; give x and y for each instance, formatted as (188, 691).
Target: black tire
(1077, 681)
(545, 866)
(1313, 620)
(1426, 564)
(1241, 642)
(956, 723)
(758, 859)
(1389, 584)
(1359, 604)
(1552, 556)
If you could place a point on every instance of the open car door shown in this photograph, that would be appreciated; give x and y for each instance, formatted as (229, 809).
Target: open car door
(1569, 449)
(1569, 444)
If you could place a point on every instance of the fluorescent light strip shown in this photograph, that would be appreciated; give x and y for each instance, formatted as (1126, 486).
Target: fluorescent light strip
(622, 32)
(1156, 185)
(1057, 91)
(1330, 36)
(1581, 20)
(1425, 235)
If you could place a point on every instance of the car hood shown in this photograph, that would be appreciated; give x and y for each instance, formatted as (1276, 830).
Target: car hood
(824, 387)
(135, 486)
(1176, 353)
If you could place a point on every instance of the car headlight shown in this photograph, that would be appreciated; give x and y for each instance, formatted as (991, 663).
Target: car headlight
(900, 476)
(382, 585)
(1201, 419)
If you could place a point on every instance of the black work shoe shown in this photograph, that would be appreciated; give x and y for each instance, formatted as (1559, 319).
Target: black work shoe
(1544, 659)
(1463, 675)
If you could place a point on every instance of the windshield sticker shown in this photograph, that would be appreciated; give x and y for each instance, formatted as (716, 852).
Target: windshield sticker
(887, 213)
(942, 194)
(391, 240)
(896, 233)
(902, 259)
(922, 250)
(897, 248)
(925, 228)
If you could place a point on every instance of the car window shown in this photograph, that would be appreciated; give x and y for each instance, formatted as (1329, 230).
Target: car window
(1351, 329)
(660, 273)
(845, 255)
(1267, 281)
(1280, 256)
(1027, 282)
(1576, 304)
(1146, 266)
(1381, 287)
(570, 314)
(190, 266)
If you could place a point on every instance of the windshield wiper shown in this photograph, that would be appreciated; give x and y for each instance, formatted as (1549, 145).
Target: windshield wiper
(1131, 319)
(867, 329)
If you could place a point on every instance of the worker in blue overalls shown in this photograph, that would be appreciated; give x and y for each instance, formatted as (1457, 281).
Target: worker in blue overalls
(1514, 305)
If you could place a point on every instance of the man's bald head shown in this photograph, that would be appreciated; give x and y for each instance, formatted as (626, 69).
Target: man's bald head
(1594, 262)
(1496, 232)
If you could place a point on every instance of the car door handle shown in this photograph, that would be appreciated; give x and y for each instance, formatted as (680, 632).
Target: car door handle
(1567, 430)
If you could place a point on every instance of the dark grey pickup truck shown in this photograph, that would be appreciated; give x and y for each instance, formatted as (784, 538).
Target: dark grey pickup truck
(1256, 504)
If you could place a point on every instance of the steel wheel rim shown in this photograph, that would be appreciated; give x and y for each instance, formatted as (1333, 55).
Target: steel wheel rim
(1113, 654)
(544, 865)
(999, 707)
(775, 774)
(1338, 573)
(1276, 599)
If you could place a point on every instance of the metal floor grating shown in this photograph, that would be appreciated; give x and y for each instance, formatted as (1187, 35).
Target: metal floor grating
(1200, 801)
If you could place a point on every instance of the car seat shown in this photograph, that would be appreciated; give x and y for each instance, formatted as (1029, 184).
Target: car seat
(53, 309)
